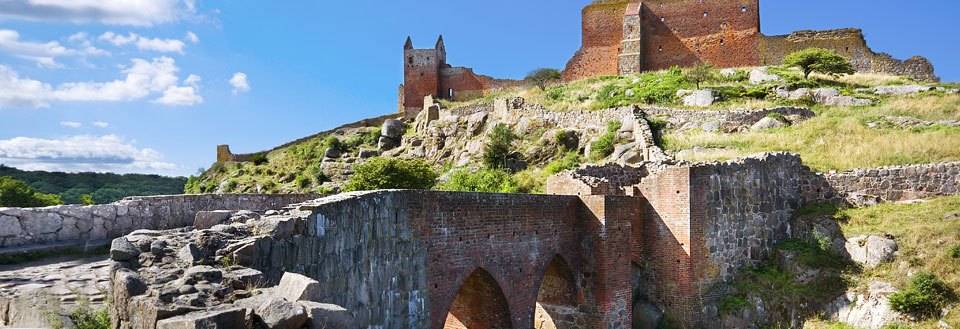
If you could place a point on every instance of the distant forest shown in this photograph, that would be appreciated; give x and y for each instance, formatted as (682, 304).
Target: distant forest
(104, 188)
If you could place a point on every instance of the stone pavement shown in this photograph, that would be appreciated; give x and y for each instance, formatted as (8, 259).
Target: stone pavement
(64, 279)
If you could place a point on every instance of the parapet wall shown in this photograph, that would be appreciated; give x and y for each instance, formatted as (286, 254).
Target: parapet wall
(726, 120)
(75, 223)
(891, 184)
(849, 43)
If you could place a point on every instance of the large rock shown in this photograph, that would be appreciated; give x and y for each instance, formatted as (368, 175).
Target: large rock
(700, 98)
(901, 90)
(122, 250)
(9, 226)
(296, 287)
(759, 76)
(871, 310)
(222, 319)
(767, 123)
(393, 128)
(278, 313)
(327, 316)
(871, 250)
(207, 219)
(203, 273)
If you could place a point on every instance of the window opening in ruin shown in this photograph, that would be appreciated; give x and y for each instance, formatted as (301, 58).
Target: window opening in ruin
(721, 42)
(450, 93)
(663, 19)
(743, 9)
(661, 49)
(724, 25)
(704, 14)
(410, 60)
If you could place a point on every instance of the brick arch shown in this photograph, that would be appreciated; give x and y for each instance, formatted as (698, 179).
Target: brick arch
(479, 304)
(557, 297)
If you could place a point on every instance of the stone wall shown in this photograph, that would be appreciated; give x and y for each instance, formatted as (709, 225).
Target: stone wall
(849, 43)
(898, 183)
(74, 223)
(602, 32)
(724, 120)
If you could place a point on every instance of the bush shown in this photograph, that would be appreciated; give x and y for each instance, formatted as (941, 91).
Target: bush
(14, 193)
(84, 317)
(569, 161)
(565, 139)
(603, 147)
(303, 181)
(924, 298)
(486, 180)
(649, 88)
(954, 252)
(390, 173)
(259, 159)
(334, 143)
(499, 147)
(701, 73)
(87, 200)
(778, 117)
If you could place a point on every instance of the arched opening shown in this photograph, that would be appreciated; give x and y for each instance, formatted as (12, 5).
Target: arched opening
(480, 304)
(557, 298)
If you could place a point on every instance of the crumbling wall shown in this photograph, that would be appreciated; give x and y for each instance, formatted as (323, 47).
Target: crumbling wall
(602, 32)
(687, 32)
(851, 44)
(890, 184)
(460, 84)
(75, 223)
(725, 120)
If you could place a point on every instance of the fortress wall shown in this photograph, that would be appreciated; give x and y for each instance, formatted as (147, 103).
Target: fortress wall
(602, 32)
(890, 184)
(729, 120)
(686, 32)
(465, 84)
(75, 223)
(851, 44)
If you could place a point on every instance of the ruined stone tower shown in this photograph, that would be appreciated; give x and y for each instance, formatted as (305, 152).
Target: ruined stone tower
(421, 73)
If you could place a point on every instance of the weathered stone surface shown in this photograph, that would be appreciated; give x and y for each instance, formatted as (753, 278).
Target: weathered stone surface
(41, 223)
(278, 313)
(767, 123)
(9, 226)
(122, 250)
(646, 315)
(189, 254)
(700, 98)
(221, 319)
(393, 128)
(901, 90)
(728, 72)
(203, 273)
(207, 219)
(870, 310)
(872, 250)
(365, 153)
(331, 153)
(758, 76)
(327, 316)
(296, 287)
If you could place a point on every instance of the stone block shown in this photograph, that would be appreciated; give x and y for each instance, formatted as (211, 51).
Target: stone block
(296, 287)
(327, 316)
(222, 319)
(122, 249)
(278, 313)
(9, 226)
(207, 219)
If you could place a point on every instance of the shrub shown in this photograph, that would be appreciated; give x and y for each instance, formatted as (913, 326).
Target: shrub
(499, 147)
(84, 317)
(14, 193)
(760, 92)
(700, 73)
(649, 88)
(954, 252)
(87, 200)
(555, 93)
(565, 139)
(924, 297)
(303, 181)
(231, 185)
(603, 147)
(259, 159)
(570, 160)
(778, 117)
(486, 180)
(334, 143)
(819, 60)
(390, 173)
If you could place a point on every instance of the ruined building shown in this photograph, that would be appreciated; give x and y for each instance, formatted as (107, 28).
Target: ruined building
(622, 37)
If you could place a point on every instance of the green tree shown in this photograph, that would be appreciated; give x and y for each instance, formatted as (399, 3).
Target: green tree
(499, 146)
(259, 159)
(485, 180)
(924, 297)
(819, 60)
(390, 173)
(14, 193)
(87, 200)
(541, 77)
(700, 73)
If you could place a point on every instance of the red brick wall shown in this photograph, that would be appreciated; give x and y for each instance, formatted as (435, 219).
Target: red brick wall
(676, 32)
(465, 84)
(602, 31)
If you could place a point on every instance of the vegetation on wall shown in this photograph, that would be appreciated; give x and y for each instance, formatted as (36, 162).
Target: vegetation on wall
(391, 173)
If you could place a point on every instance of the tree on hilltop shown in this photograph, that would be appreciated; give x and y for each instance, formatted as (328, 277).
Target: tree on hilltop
(541, 77)
(819, 60)
(700, 73)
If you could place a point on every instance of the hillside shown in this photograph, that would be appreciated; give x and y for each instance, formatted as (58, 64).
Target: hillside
(103, 187)
(892, 123)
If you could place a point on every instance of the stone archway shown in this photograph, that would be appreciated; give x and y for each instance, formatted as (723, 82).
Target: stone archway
(557, 299)
(480, 304)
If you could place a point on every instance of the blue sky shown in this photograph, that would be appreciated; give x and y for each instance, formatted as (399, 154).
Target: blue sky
(154, 85)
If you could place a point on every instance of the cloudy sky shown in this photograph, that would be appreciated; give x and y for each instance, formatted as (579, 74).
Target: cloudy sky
(153, 86)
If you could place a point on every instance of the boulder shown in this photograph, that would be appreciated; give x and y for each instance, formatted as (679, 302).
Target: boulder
(728, 72)
(476, 123)
(767, 123)
(278, 313)
(9, 226)
(203, 273)
(122, 250)
(901, 90)
(759, 76)
(871, 250)
(189, 254)
(331, 153)
(393, 128)
(710, 126)
(207, 219)
(700, 98)
(296, 287)
(870, 310)
(364, 153)
(221, 319)
(327, 316)
(423, 119)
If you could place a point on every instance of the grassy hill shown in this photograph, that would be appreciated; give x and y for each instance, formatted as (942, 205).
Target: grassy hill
(103, 187)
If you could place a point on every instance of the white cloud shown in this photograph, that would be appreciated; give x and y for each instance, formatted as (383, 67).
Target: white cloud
(144, 43)
(71, 124)
(22, 92)
(239, 83)
(192, 37)
(101, 124)
(142, 79)
(43, 53)
(77, 37)
(81, 153)
(112, 12)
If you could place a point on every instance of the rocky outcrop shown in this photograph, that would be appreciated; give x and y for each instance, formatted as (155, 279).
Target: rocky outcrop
(767, 123)
(760, 76)
(870, 309)
(825, 96)
(698, 98)
(872, 250)
(901, 90)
